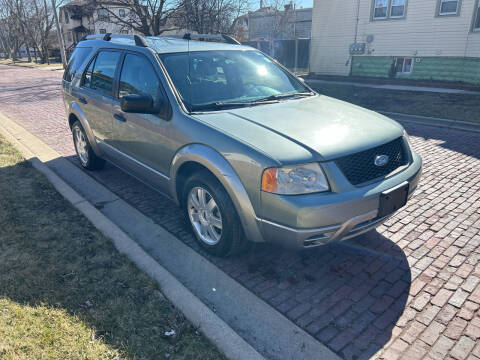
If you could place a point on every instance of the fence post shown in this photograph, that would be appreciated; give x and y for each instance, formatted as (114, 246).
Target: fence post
(295, 66)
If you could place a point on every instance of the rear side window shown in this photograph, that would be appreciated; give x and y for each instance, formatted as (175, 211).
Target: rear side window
(78, 57)
(101, 72)
(139, 77)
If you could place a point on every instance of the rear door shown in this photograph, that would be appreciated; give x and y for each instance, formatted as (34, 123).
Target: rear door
(144, 138)
(95, 94)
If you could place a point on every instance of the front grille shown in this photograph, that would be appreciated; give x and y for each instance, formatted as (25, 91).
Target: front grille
(360, 167)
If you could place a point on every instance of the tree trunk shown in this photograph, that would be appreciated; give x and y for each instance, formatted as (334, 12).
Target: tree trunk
(46, 32)
(29, 56)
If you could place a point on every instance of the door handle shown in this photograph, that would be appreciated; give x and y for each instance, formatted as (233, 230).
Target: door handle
(119, 117)
(82, 100)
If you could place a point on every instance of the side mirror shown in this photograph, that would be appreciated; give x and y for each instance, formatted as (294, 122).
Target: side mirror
(138, 103)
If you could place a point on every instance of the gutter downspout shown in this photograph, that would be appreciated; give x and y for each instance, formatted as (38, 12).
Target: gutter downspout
(350, 59)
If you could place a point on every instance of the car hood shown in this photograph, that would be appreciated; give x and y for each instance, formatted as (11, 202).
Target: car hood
(309, 129)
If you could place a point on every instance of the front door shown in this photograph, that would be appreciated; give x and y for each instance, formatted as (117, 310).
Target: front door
(143, 138)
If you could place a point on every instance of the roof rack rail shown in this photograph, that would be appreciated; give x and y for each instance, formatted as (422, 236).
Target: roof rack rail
(206, 37)
(139, 40)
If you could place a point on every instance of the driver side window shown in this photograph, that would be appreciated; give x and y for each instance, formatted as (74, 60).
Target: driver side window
(138, 77)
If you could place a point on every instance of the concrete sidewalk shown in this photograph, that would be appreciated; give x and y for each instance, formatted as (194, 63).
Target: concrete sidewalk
(395, 87)
(434, 122)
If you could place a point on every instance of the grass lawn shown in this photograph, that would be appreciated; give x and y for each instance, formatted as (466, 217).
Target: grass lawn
(446, 106)
(66, 293)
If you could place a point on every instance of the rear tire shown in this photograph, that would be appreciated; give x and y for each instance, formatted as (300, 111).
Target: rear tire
(87, 157)
(212, 215)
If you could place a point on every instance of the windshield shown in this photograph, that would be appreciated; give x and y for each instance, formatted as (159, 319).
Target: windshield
(231, 78)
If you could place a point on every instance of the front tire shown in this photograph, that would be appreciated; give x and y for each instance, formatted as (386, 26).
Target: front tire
(212, 215)
(87, 157)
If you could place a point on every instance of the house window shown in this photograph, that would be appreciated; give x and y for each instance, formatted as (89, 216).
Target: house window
(403, 65)
(397, 9)
(388, 9)
(121, 12)
(380, 9)
(103, 31)
(476, 24)
(448, 7)
(103, 15)
(67, 18)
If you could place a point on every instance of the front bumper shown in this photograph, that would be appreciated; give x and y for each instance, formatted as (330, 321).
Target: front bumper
(317, 219)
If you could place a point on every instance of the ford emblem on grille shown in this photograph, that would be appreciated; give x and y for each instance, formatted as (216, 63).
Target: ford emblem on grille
(381, 160)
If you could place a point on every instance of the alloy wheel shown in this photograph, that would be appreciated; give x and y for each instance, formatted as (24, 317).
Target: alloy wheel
(204, 215)
(81, 144)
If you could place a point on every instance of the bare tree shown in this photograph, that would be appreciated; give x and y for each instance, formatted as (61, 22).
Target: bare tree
(149, 17)
(10, 33)
(32, 21)
(210, 16)
(279, 16)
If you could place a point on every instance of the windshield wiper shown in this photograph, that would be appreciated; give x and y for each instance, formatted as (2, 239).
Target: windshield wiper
(220, 105)
(283, 96)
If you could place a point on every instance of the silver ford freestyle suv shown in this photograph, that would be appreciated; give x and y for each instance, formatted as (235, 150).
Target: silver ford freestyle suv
(242, 145)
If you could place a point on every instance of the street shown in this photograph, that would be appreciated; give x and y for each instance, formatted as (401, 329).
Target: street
(410, 289)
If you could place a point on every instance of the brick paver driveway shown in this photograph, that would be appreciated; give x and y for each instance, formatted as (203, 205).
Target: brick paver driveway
(409, 290)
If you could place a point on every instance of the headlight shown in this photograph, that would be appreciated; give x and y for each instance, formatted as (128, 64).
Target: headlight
(296, 179)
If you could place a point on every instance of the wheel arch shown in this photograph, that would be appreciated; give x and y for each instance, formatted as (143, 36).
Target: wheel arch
(195, 157)
(76, 113)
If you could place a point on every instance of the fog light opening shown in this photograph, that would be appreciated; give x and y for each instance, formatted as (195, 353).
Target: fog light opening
(316, 240)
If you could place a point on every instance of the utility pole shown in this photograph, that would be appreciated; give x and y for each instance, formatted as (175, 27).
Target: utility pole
(60, 36)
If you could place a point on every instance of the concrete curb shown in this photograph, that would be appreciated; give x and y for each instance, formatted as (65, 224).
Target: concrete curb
(214, 328)
(436, 122)
(395, 87)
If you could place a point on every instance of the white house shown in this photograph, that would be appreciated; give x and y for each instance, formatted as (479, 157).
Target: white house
(81, 17)
(418, 39)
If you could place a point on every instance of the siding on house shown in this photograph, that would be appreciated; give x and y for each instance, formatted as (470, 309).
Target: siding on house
(420, 34)
(425, 68)
(333, 30)
(377, 66)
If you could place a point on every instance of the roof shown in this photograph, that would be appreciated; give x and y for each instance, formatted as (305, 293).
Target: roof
(164, 44)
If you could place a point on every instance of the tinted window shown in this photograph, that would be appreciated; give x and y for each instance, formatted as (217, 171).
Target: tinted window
(138, 77)
(476, 26)
(101, 78)
(77, 59)
(448, 7)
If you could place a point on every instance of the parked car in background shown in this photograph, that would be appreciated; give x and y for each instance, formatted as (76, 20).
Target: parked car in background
(243, 146)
